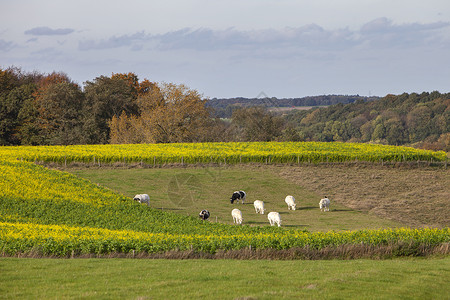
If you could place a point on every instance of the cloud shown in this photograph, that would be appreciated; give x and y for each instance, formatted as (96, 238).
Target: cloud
(382, 32)
(385, 25)
(48, 54)
(206, 39)
(134, 40)
(379, 33)
(32, 40)
(5, 45)
(48, 31)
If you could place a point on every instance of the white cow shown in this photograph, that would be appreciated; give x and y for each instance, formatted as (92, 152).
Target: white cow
(259, 206)
(324, 204)
(237, 216)
(290, 201)
(274, 218)
(142, 198)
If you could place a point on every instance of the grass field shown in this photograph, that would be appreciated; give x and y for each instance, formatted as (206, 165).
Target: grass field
(189, 190)
(223, 279)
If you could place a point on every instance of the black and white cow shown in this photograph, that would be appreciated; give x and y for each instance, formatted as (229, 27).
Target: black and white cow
(238, 195)
(204, 214)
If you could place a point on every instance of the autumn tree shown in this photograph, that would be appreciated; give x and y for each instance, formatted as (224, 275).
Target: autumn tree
(139, 87)
(124, 130)
(167, 113)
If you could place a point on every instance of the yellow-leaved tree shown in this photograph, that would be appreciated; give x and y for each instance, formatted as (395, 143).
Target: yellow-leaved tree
(168, 113)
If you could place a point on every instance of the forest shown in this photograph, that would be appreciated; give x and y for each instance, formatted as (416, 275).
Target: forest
(51, 109)
(224, 107)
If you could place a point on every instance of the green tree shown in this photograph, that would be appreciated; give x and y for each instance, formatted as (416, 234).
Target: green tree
(60, 109)
(257, 124)
(366, 131)
(418, 121)
(10, 121)
(105, 98)
(395, 132)
(29, 131)
(379, 133)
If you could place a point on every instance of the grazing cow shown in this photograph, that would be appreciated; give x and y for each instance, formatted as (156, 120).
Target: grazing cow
(237, 216)
(259, 206)
(290, 201)
(142, 198)
(274, 218)
(238, 195)
(204, 214)
(324, 204)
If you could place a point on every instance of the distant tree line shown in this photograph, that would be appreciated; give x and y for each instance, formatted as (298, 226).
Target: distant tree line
(50, 109)
(413, 119)
(224, 107)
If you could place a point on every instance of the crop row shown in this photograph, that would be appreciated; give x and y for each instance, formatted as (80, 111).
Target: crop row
(63, 240)
(262, 152)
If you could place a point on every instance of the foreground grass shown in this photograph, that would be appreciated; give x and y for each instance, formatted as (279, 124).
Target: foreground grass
(223, 279)
(187, 191)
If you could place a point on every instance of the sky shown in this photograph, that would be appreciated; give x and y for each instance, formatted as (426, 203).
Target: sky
(237, 48)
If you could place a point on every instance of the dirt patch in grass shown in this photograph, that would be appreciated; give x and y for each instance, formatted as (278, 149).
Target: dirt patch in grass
(414, 196)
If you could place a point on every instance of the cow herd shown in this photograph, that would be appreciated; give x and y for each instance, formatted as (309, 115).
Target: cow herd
(274, 217)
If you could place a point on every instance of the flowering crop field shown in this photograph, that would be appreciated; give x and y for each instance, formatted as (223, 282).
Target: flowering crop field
(55, 213)
(259, 152)
(62, 240)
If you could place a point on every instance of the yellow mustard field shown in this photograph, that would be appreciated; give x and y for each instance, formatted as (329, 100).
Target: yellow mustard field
(262, 152)
(51, 212)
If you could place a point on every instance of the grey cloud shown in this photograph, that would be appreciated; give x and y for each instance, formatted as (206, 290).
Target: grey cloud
(32, 40)
(208, 39)
(379, 33)
(114, 42)
(383, 32)
(5, 45)
(384, 25)
(48, 31)
(377, 26)
(48, 54)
